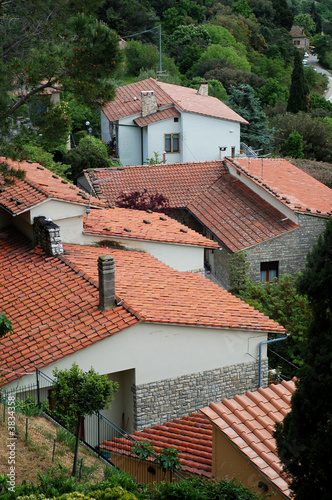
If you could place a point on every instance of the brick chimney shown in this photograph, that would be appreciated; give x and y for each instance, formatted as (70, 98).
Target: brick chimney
(106, 273)
(149, 104)
(203, 89)
(47, 235)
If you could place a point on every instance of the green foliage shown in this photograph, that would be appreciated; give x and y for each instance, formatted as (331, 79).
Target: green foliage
(216, 88)
(238, 272)
(142, 57)
(230, 54)
(52, 125)
(281, 301)
(298, 93)
(317, 137)
(6, 326)
(64, 45)
(294, 145)
(199, 488)
(306, 22)
(143, 449)
(155, 159)
(242, 8)
(168, 459)
(63, 436)
(30, 407)
(81, 393)
(257, 134)
(304, 438)
(272, 92)
(90, 153)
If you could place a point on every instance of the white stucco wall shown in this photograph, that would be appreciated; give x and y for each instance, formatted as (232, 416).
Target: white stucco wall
(160, 351)
(180, 257)
(155, 139)
(202, 136)
(105, 128)
(129, 142)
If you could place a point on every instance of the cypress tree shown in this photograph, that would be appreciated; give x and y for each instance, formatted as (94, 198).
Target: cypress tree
(298, 92)
(304, 439)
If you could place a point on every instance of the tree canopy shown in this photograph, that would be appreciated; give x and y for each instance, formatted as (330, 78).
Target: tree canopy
(79, 393)
(304, 439)
(59, 44)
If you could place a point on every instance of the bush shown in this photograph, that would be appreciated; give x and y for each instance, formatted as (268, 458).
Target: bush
(90, 153)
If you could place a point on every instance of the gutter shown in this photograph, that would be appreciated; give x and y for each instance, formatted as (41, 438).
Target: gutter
(260, 355)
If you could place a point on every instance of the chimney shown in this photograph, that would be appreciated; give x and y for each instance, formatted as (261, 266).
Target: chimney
(106, 273)
(203, 89)
(149, 104)
(47, 235)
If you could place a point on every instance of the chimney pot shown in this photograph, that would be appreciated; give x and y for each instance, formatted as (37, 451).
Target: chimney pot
(203, 89)
(149, 104)
(106, 273)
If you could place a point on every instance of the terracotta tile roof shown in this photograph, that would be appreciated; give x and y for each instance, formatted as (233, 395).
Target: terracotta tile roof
(236, 215)
(290, 185)
(39, 185)
(231, 211)
(180, 183)
(158, 293)
(190, 435)
(50, 306)
(297, 32)
(248, 422)
(128, 101)
(156, 117)
(139, 224)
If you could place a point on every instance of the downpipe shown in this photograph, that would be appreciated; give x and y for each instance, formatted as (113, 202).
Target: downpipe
(260, 355)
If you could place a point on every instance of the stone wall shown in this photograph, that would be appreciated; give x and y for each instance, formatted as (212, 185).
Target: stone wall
(289, 249)
(164, 400)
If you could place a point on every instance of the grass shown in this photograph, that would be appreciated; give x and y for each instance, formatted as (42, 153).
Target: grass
(36, 453)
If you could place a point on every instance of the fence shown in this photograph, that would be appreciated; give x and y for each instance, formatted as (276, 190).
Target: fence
(108, 441)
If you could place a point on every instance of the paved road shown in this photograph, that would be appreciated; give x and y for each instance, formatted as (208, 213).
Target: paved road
(312, 61)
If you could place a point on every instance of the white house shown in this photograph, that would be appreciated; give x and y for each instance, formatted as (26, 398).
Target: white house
(178, 123)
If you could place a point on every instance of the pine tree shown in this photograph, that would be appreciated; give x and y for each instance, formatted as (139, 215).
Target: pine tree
(304, 439)
(298, 92)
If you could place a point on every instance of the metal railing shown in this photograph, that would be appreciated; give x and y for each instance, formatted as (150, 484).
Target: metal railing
(99, 434)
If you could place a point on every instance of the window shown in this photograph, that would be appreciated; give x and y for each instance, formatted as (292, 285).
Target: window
(172, 143)
(269, 270)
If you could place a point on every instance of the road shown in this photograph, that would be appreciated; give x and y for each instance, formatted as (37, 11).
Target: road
(312, 61)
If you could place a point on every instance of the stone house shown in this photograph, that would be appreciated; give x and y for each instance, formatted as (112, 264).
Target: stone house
(300, 39)
(178, 123)
(173, 339)
(268, 208)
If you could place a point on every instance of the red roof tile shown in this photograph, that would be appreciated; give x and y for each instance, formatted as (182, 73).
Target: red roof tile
(180, 183)
(129, 224)
(39, 185)
(156, 117)
(158, 293)
(290, 185)
(191, 436)
(38, 297)
(128, 101)
(236, 215)
(255, 428)
(227, 207)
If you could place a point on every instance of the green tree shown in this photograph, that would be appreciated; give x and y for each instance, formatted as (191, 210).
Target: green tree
(61, 45)
(281, 301)
(79, 393)
(304, 438)
(257, 134)
(306, 22)
(298, 92)
(294, 145)
(5, 325)
(9, 175)
(242, 8)
(238, 272)
(90, 153)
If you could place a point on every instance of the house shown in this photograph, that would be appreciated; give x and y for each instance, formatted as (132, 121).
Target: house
(81, 220)
(177, 123)
(173, 339)
(268, 208)
(300, 39)
(242, 439)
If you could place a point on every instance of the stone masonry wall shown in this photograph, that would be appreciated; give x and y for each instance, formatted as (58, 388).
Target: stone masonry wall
(164, 400)
(289, 249)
